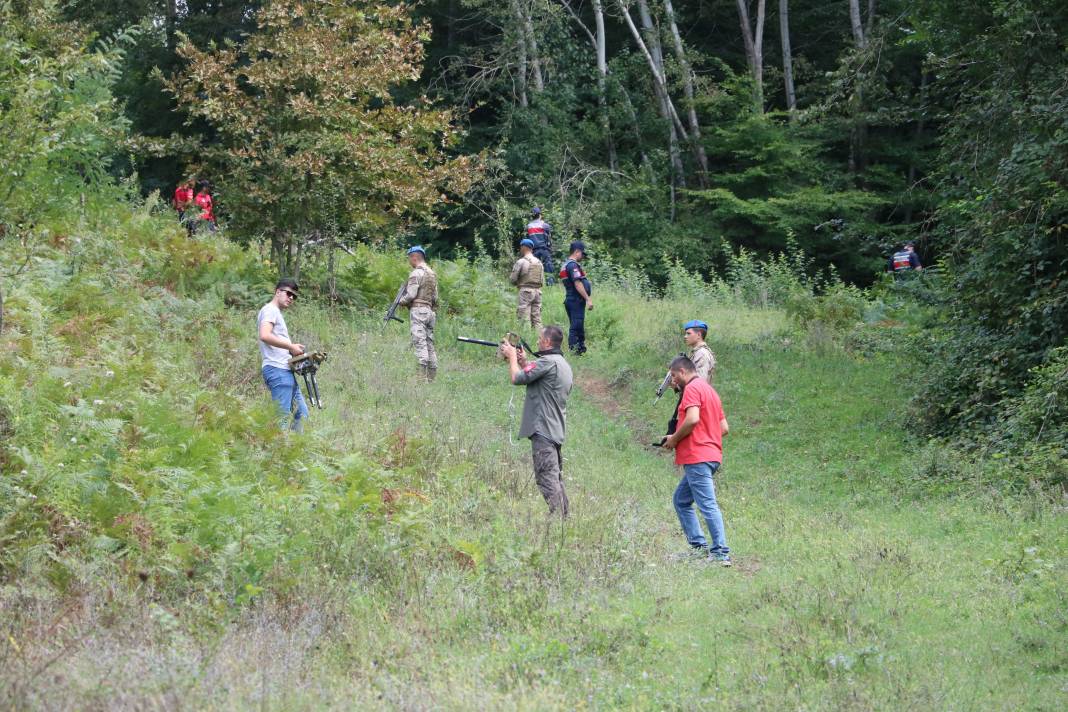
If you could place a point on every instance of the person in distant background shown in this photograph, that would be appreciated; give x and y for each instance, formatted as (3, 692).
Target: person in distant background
(695, 332)
(904, 260)
(528, 275)
(206, 204)
(276, 348)
(540, 233)
(183, 198)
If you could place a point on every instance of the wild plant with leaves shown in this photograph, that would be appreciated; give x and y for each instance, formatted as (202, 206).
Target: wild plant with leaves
(307, 130)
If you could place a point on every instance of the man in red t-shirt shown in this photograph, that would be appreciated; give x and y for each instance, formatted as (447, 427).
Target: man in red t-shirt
(204, 201)
(698, 445)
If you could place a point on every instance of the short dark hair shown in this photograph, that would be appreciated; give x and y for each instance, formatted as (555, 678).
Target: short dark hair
(287, 283)
(554, 334)
(703, 332)
(683, 364)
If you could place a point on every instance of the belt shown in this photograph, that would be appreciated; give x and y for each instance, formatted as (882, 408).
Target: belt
(421, 303)
(530, 286)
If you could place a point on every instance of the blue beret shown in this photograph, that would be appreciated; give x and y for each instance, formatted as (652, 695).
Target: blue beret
(528, 243)
(416, 248)
(695, 324)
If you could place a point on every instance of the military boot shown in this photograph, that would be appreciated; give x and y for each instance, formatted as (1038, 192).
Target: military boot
(431, 374)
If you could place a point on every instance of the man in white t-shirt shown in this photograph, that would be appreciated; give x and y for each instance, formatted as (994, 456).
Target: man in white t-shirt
(276, 348)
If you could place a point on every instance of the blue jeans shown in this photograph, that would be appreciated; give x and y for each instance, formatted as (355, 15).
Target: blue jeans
(286, 393)
(696, 487)
(576, 317)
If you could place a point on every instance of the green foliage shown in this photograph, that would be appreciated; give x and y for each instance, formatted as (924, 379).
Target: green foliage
(307, 132)
(59, 123)
(1002, 217)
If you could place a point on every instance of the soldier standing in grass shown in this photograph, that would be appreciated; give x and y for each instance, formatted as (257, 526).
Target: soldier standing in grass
(276, 348)
(421, 298)
(548, 380)
(695, 332)
(577, 297)
(698, 446)
(528, 275)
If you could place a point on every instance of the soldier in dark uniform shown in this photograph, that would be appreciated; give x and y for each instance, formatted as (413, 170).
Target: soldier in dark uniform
(577, 299)
(540, 233)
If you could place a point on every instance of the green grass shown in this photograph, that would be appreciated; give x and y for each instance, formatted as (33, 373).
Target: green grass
(261, 571)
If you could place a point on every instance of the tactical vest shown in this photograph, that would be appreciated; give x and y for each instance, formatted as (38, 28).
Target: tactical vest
(902, 261)
(427, 295)
(533, 277)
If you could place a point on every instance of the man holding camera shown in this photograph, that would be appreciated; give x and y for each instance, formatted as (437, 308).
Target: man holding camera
(698, 445)
(548, 380)
(276, 349)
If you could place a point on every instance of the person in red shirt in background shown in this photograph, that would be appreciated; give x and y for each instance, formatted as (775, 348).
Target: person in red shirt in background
(698, 445)
(206, 205)
(183, 198)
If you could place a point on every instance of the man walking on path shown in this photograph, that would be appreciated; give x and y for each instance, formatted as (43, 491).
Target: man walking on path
(548, 380)
(528, 275)
(276, 348)
(698, 445)
(421, 298)
(695, 332)
(540, 233)
(577, 300)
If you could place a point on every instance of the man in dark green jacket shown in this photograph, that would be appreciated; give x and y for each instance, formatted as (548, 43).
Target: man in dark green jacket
(548, 380)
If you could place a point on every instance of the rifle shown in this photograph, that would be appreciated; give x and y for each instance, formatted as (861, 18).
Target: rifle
(391, 313)
(663, 385)
(306, 365)
(513, 338)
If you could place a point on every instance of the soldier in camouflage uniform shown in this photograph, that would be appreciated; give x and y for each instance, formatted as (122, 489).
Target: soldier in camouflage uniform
(704, 361)
(421, 298)
(528, 275)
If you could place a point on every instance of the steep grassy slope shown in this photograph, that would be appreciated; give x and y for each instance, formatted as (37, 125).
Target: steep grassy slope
(164, 547)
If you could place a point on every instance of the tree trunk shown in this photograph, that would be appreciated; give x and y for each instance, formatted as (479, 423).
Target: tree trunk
(667, 108)
(688, 81)
(172, 21)
(600, 47)
(331, 268)
(857, 25)
(535, 58)
(754, 49)
(521, 48)
(787, 58)
(916, 141)
(858, 139)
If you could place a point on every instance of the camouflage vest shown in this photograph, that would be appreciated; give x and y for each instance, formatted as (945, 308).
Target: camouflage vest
(533, 277)
(427, 294)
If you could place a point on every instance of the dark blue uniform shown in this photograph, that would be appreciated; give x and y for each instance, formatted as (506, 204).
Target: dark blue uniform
(575, 305)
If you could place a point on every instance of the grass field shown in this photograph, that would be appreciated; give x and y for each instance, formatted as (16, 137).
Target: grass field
(411, 564)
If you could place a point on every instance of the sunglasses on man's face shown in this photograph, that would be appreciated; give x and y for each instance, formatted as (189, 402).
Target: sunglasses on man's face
(292, 295)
